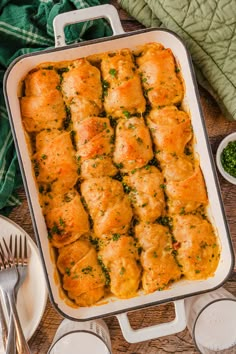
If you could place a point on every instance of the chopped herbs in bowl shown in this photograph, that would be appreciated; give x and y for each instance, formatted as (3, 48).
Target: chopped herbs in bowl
(226, 158)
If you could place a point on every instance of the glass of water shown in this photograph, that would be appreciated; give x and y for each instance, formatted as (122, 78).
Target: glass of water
(88, 337)
(211, 320)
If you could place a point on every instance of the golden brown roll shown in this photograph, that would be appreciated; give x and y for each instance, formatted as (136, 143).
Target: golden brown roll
(133, 145)
(80, 108)
(71, 254)
(82, 90)
(54, 160)
(159, 265)
(122, 90)
(176, 167)
(67, 221)
(82, 275)
(188, 194)
(159, 78)
(43, 112)
(89, 298)
(198, 251)
(170, 128)
(146, 193)
(98, 167)
(94, 137)
(41, 82)
(108, 205)
(120, 256)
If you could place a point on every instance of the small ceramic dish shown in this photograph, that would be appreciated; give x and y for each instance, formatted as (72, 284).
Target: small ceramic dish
(223, 144)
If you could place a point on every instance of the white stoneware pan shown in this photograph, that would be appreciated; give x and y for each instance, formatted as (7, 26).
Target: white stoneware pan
(17, 71)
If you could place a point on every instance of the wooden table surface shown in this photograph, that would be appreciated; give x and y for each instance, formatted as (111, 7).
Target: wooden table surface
(217, 127)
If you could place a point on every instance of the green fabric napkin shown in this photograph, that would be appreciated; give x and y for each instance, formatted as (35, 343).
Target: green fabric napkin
(208, 29)
(26, 26)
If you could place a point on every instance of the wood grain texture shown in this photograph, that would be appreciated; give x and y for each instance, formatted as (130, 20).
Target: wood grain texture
(217, 128)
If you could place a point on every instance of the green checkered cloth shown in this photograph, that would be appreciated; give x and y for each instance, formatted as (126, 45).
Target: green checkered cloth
(27, 26)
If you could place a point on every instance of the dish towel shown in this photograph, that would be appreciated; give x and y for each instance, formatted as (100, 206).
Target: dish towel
(208, 28)
(26, 26)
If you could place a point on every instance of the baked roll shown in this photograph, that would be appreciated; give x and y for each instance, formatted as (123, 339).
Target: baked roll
(82, 90)
(146, 194)
(187, 195)
(67, 221)
(122, 89)
(43, 112)
(54, 160)
(198, 249)
(158, 262)
(83, 277)
(120, 255)
(133, 145)
(108, 205)
(170, 128)
(160, 80)
(41, 82)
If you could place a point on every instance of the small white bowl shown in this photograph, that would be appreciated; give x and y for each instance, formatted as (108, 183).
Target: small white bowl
(223, 144)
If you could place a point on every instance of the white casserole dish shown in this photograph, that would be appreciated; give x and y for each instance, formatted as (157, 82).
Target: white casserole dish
(14, 75)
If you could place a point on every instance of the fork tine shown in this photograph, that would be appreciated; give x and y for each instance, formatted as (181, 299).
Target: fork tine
(3, 256)
(2, 264)
(20, 252)
(10, 259)
(15, 251)
(25, 251)
(10, 243)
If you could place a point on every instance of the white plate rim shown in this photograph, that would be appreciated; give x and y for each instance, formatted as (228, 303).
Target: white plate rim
(44, 292)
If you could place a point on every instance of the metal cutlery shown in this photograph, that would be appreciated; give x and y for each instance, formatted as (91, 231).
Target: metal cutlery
(4, 329)
(21, 258)
(9, 278)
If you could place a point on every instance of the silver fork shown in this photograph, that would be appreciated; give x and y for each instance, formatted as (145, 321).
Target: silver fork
(21, 258)
(8, 281)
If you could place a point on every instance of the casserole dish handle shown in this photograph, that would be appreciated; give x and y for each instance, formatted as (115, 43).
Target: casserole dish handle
(108, 12)
(156, 331)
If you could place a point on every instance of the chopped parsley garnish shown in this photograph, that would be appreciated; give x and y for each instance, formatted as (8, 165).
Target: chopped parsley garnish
(139, 140)
(87, 270)
(67, 271)
(105, 271)
(122, 271)
(62, 70)
(126, 114)
(119, 165)
(105, 87)
(165, 221)
(127, 189)
(113, 72)
(36, 167)
(228, 158)
(55, 229)
(115, 237)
